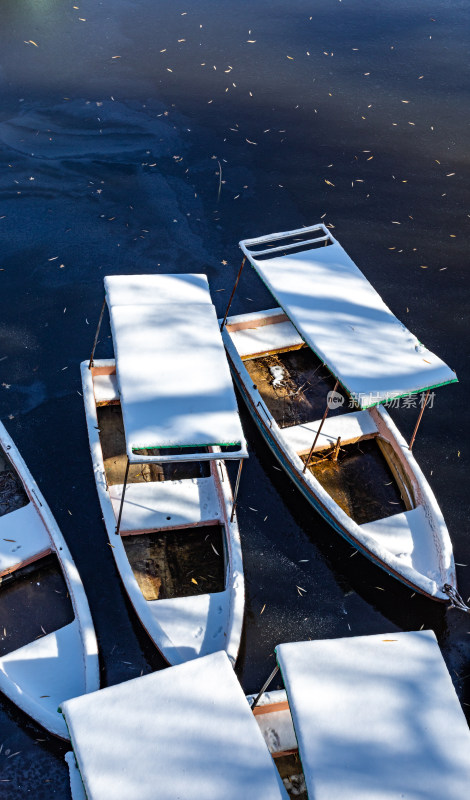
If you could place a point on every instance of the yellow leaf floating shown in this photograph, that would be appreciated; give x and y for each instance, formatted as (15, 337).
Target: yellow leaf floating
(329, 183)
(193, 580)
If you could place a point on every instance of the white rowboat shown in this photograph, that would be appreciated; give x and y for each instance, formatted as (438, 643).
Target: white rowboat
(49, 649)
(371, 717)
(182, 733)
(162, 419)
(354, 467)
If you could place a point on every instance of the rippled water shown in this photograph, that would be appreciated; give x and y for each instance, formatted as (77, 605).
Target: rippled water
(113, 122)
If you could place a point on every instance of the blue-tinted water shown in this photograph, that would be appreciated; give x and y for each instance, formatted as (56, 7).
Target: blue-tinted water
(113, 120)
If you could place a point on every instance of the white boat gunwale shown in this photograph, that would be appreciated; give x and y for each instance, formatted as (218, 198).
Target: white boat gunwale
(319, 498)
(234, 581)
(76, 591)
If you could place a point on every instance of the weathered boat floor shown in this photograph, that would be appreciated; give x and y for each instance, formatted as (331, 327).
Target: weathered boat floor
(290, 770)
(296, 389)
(34, 601)
(12, 493)
(360, 481)
(113, 444)
(177, 563)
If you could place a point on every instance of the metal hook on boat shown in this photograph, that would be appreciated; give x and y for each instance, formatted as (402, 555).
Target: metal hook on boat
(456, 601)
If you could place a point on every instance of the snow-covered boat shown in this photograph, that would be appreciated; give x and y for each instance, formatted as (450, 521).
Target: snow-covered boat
(162, 419)
(333, 342)
(182, 733)
(48, 648)
(371, 717)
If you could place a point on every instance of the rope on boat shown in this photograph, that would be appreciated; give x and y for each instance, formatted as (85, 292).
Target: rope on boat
(456, 601)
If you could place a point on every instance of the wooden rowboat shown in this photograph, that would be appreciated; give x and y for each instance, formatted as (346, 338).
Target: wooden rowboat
(162, 419)
(48, 648)
(332, 338)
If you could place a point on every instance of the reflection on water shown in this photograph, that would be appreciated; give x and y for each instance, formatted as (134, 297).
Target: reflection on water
(116, 120)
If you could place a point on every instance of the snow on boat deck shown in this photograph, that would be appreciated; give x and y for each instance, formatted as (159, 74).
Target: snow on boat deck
(377, 718)
(182, 733)
(343, 319)
(174, 380)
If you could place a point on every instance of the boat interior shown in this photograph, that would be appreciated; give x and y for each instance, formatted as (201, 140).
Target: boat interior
(34, 601)
(290, 770)
(354, 464)
(275, 722)
(12, 493)
(165, 563)
(178, 563)
(113, 445)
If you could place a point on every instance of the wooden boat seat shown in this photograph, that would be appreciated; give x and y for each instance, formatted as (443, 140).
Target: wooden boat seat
(350, 427)
(268, 338)
(166, 504)
(106, 389)
(406, 535)
(23, 537)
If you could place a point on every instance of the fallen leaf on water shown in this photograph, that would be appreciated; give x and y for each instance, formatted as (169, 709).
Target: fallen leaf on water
(193, 580)
(262, 609)
(329, 183)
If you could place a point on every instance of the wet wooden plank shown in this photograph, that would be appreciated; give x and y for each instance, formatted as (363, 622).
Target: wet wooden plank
(113, 445)
(360, 481)
(294, 385)
(178, 563)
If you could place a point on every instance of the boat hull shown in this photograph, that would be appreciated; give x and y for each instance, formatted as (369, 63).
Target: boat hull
(62, 663)
(182, 627)
(273, 437)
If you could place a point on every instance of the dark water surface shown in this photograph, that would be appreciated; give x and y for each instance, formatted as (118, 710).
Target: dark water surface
(114, 117)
